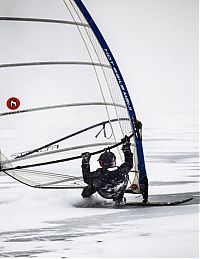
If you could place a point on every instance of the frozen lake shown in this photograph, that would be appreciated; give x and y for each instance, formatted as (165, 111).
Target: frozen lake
(155, 44)
(56, 223)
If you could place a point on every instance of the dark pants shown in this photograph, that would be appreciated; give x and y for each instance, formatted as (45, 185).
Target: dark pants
(145, 189)
(88, 191)
(91, 189)
(119, 197)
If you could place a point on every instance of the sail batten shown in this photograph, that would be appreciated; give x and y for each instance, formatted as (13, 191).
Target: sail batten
(47, 153)
(41, 20)
(61, 106)
(49, 63)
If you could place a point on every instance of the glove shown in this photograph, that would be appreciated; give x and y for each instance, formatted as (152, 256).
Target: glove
(138, 124)
(126, 145)
(125, 140)
(86, 157)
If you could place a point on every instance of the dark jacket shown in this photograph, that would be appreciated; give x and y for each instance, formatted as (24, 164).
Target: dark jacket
(109, 183)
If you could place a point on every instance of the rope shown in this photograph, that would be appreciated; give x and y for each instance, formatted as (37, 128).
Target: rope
(104, 132)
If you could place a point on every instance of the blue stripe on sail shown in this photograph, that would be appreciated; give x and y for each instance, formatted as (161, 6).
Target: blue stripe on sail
(121, 84)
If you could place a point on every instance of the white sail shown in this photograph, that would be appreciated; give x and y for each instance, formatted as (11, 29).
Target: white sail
(66, 87)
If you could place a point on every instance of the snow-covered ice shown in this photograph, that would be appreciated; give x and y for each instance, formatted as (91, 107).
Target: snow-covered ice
(54, 223)
(155, 45)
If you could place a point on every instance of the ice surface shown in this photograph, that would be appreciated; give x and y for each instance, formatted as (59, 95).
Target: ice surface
(154, 45)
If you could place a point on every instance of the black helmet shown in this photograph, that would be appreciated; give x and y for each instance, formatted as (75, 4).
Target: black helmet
(107, 159)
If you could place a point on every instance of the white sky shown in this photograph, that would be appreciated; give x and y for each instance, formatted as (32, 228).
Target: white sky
(155, 43)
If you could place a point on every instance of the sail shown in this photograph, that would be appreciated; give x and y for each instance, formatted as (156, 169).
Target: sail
(63, 95)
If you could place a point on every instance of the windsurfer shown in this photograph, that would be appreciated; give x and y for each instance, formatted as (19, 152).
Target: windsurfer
(109, 181)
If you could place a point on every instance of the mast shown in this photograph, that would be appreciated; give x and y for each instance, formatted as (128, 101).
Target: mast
(123, 88)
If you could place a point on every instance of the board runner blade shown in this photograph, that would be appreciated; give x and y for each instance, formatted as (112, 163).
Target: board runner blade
(157, 203)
